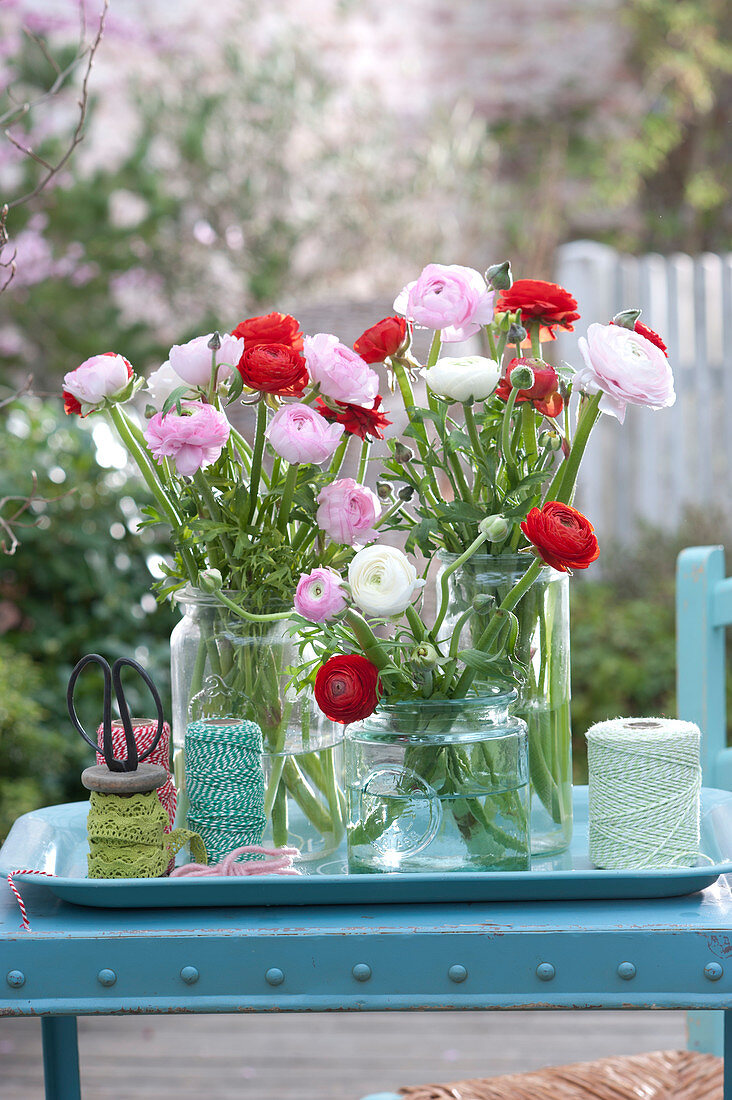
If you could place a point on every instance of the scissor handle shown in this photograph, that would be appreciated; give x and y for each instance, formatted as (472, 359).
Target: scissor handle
(133, 757)
(112, 678)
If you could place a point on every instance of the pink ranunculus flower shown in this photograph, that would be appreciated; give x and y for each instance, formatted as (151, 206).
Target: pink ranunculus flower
(193, 440)
(192, 361)
(340, 372)
(448, 297)
(319, 596)
(347, 512)
(299, 434)
(627, 368)
(98, 378)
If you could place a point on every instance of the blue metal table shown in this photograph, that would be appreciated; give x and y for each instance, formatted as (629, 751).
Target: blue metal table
(667, 953)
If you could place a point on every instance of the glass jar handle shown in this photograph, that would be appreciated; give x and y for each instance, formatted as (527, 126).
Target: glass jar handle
(411, 808)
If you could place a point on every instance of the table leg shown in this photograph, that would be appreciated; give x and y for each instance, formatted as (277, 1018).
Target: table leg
(61, 1058)
(728, 1054)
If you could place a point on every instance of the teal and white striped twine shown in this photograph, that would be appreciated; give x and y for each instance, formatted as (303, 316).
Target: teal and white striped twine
(644, 788)
(225, 784)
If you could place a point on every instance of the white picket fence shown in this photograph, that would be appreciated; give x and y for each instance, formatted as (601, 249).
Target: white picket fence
(657, 463)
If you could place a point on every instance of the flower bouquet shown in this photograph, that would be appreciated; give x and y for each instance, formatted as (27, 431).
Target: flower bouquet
(504, 466)
(245, 517)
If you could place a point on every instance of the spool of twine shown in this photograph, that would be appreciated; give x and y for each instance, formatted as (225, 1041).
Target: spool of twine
(128, 838)
(644, 786)
(144, 730)
(225, 783)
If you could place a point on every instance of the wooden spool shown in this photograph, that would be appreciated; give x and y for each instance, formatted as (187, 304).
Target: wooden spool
(145, 778)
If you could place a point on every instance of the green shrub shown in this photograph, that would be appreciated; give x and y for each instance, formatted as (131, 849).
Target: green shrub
(79, 582)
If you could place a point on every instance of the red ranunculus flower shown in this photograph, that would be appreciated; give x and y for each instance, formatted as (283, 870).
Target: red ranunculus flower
(346, 688)
(356, 420)
(384, 338)
(544, 395)
(274, 368)
(550, 304)
(644, 330)
(563, 537)
(273, 328)
(71, 405)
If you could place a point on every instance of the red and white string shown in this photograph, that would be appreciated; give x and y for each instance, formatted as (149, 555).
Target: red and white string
(144, 732)
(16, 891)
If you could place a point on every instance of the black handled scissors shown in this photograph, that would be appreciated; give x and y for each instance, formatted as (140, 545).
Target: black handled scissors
(112, 679)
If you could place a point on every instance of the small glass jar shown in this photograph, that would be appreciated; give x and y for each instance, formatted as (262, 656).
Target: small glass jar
(436, 786)
(543, 649)
(226, 667)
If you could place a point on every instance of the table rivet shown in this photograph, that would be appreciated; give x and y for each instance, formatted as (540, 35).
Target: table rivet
(626, 971)
(106, 977)
(361, 972)
(457, 973)
(713, 971)
(190, 975)
(545, 972)
(274, 976)
(15, 978)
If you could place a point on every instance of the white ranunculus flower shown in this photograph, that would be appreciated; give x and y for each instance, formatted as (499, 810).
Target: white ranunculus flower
(469, 377)
(161, 383)
(192, 361)
(383, 581)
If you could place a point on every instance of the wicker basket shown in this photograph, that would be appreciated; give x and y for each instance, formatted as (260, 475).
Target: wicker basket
(662, 1075)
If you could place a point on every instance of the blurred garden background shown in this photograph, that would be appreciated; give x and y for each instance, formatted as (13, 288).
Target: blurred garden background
(240, 157)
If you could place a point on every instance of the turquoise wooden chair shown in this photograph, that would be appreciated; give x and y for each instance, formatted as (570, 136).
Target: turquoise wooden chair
(703, 612)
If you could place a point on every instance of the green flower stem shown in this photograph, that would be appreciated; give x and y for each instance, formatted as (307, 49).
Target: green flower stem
(463, 489)
(287, 494)
(257, 459)
(212, 379)
(506, 445)
(491, 342)
(472, 427)
(421, 438)
(363, 460)
(214, 510)
(445, 576)
(489, 634)
(242, 446)
(563, 486)
(528, 430)
(152, 480)
(337, 460)
(435, 349)
(418, 627)
(300, 792)
(368, 641)
(395, 507)
(534, 333)
(276, 617)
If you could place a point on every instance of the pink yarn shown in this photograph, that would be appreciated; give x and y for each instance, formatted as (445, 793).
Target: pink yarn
(278, 862)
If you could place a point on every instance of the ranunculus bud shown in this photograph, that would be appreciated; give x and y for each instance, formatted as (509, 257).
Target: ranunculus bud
(522, 377)
(499, 276)
(496, 527)
(516, 334)
(425, 656)
(215, 341)
(550, 441)
(384, 490)
(402, 454)
(406, 493)
(627, 318)
(482, 601)
(210, 580)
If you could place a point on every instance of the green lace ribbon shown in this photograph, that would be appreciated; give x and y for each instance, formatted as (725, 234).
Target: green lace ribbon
(127, 837)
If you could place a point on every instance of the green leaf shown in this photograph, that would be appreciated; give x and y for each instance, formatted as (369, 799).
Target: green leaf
(174, 399)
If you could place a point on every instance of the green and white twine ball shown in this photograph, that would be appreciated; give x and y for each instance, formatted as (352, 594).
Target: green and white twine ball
(644, 787)
(225, 784)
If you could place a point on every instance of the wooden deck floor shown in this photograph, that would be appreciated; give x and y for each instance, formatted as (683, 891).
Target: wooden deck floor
(320, 1057)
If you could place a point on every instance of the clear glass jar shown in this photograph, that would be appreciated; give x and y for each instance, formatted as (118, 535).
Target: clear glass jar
(439, 786)
(544, 697)
(223, 666)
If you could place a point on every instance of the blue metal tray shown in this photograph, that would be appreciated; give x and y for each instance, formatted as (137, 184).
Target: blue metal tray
(54, 840)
